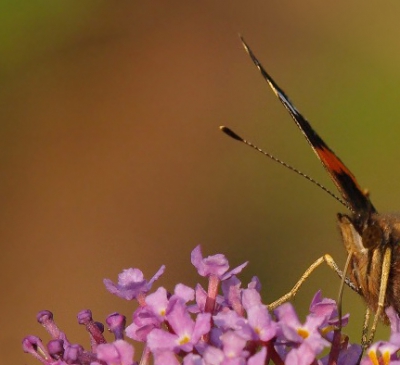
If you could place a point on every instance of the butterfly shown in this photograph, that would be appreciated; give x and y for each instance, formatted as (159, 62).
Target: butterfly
(371, 239)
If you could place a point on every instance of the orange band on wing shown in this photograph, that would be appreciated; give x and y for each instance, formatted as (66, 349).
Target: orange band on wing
(332, 163)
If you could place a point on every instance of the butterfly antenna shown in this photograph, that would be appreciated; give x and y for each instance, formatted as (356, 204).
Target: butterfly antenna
(235, 136)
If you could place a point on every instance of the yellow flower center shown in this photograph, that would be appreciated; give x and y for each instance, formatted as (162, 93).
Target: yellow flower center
(303, 332)
(385, 358)
(184, 339)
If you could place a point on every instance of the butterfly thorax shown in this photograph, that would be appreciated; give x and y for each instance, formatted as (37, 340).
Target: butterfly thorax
(366, 241)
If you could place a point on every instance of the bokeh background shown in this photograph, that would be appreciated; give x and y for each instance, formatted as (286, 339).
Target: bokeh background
(111, 155)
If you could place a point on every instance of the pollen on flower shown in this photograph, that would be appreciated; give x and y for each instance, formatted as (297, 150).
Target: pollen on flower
(373, 357)
(327, 329)
(303, 332)
(183, 340)
(386, 357)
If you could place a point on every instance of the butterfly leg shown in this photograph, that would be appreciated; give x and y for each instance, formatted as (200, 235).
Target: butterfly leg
(364, 337)
(387, 258)
(330, 262)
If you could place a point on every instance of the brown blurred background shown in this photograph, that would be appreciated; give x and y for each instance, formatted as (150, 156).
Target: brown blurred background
(111, 155)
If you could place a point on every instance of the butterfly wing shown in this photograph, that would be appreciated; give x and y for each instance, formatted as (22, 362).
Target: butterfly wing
(358, 201)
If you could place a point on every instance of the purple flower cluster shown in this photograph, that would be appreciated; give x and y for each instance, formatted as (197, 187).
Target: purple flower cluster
(194, 326)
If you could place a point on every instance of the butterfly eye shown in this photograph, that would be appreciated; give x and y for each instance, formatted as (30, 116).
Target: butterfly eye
(372, 236)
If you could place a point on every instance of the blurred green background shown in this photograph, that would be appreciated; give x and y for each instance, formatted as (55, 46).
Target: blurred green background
(111, 155)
